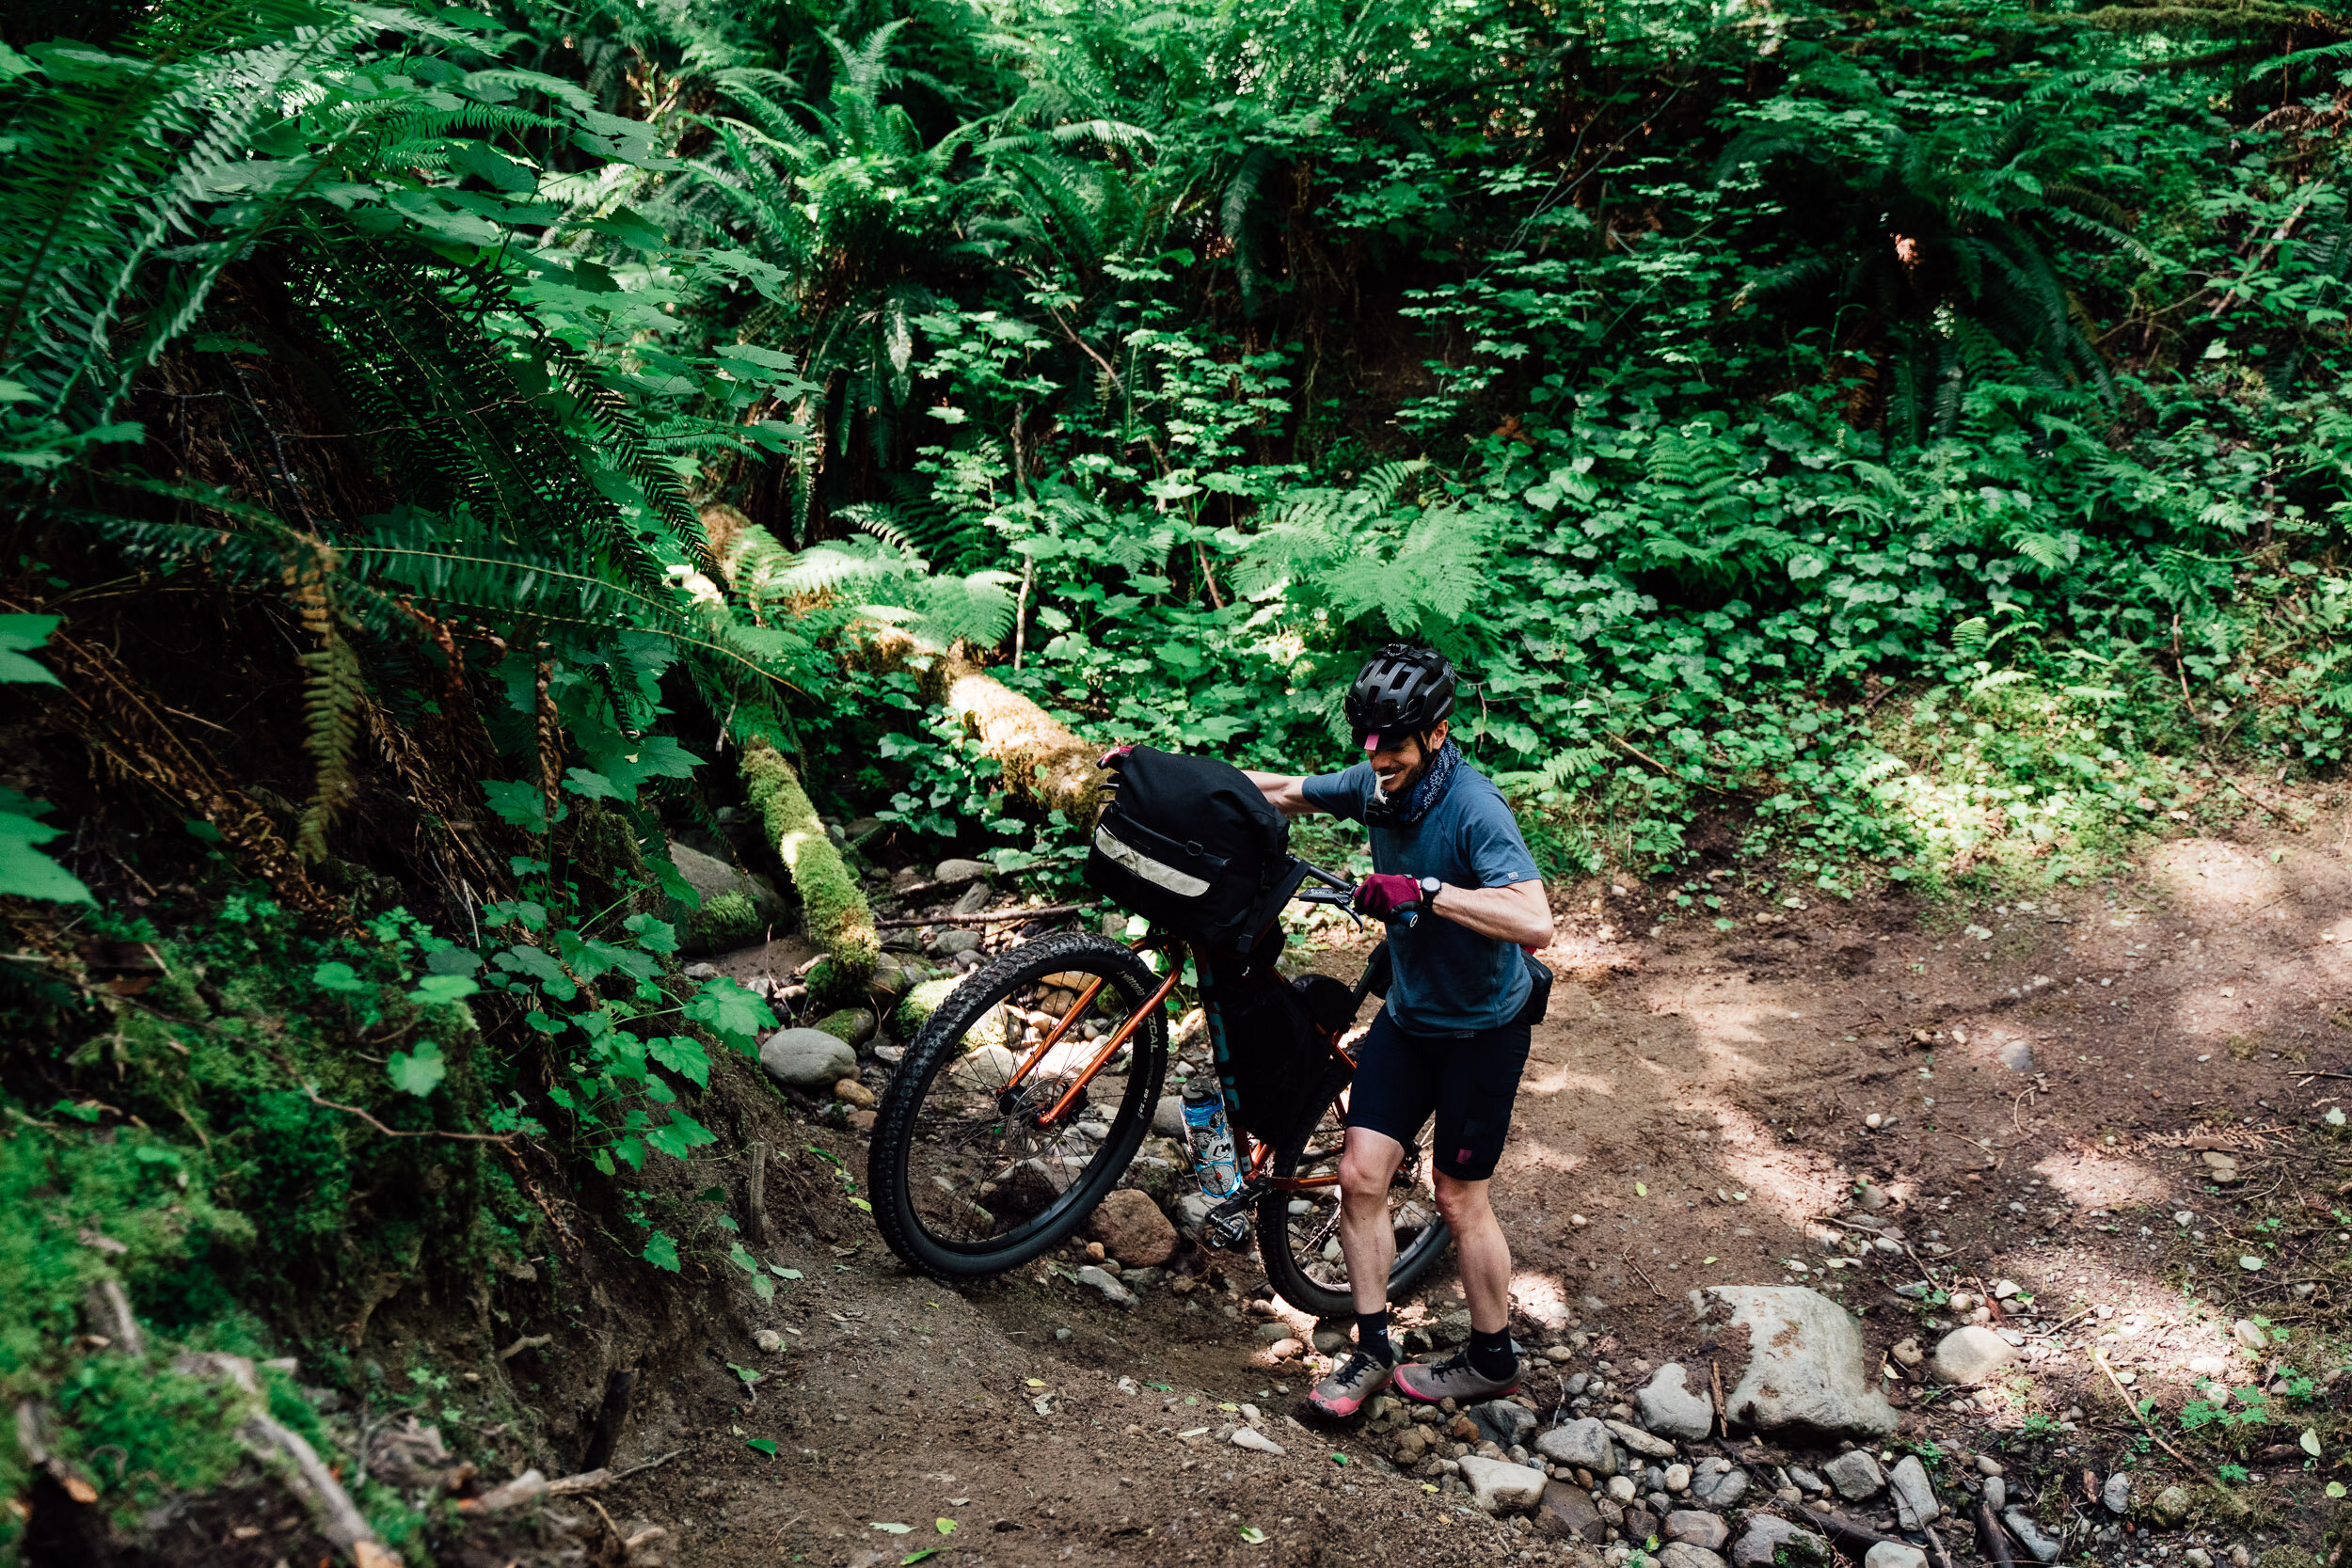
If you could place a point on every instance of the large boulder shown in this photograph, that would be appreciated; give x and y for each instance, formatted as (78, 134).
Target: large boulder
(1806, 1372)
(1667, 1406)
(1132, 1230)
(807, 1059)
(1500, 1487)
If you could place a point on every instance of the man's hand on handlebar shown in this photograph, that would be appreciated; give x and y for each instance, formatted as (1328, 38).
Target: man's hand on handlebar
(1385, 896)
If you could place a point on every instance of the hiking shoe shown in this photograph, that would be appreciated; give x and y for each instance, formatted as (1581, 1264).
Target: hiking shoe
(1452, 1379)
(1343, 1393)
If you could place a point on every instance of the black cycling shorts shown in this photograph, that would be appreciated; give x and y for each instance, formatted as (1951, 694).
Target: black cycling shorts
(1469, 1080)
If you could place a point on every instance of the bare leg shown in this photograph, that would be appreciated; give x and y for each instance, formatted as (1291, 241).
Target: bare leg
(1367, 1159)
(1484, 1257)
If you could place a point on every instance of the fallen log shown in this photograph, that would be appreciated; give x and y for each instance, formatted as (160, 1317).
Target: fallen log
(1044, 761)
(834, 910)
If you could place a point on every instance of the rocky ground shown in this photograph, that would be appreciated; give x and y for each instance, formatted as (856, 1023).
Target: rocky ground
(1843, 1233)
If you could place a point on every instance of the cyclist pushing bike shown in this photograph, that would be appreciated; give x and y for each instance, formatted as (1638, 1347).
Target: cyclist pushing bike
(1453, 1037)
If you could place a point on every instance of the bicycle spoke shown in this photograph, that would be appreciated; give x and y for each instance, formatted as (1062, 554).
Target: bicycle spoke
(978, 1167)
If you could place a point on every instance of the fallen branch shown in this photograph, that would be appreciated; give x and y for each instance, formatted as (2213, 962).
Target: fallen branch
(499, 1138)
(529, 1341)
(340, 1519)
(1646, 1278)
(1993, 1538)
(643, 1465)
(2098, 1359)
(990, 917)
(833, 909)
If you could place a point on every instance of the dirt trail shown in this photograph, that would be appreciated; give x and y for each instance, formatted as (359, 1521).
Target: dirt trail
(2046, 1073)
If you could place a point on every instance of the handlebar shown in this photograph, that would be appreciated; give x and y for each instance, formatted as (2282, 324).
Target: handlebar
(1341, 893)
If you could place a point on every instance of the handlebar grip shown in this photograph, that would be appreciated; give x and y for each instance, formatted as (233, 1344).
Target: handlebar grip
(1408, 917)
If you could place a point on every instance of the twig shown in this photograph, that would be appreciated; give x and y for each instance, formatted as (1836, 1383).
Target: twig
(1935, 1547)
(502, 1139)
(989, 917)
(1992, 1537)
(529, 1341)
(648, 1464)
(1646, 1278)
(1722, 1411)
(1638, 755)
(1985, 1148)
(1923, 1266)
(2098, 1359)
(2058, 1327)
(755, 1196)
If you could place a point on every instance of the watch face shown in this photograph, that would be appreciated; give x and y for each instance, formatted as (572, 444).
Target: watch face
(1429, 886)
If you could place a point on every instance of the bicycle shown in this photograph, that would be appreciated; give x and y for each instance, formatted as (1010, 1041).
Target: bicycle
(984, 1157)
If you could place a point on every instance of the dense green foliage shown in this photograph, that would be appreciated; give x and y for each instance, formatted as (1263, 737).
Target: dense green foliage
(1882, 441)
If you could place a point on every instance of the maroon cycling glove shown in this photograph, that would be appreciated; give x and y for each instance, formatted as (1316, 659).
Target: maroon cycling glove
(1383, 896)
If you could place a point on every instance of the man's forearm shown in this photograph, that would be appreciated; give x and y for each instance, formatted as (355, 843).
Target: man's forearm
(1517, 913)
(1285, 792)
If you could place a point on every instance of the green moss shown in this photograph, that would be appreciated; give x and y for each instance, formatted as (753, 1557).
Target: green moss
(851, 1025)
(834, 910)
(730, 920)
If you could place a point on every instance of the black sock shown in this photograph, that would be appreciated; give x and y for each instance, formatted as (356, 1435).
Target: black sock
(1372, 1336)
(1491, 1355)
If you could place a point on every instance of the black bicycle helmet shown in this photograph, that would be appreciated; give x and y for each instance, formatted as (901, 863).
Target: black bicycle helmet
(1403, 691)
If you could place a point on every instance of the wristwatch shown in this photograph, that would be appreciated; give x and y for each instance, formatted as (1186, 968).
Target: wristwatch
(1429, 886)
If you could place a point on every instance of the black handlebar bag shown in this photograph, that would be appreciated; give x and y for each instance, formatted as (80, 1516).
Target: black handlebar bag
(1190, 844)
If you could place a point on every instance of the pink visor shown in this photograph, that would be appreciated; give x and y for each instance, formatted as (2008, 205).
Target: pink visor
(1372, 741)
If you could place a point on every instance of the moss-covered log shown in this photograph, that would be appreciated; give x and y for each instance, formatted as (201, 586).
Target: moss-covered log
(833, 910)
(1044, 761)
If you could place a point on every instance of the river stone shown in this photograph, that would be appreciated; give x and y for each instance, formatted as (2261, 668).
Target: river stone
(1638, 1441)
(1581, 1444)
(807, 1059)
(1500, 1487)
(1855, 1475)
(1914, 1495)
(1682, 1554)
(1806, 1369)
(1167, 1118)
(1970, 1355)
(710, 878)
(1567, 1511)
(1697, 1526)
(959, 871)
(2044, 1546)
(947, 943)
(988, 1069)
(1894, 1554)
(2117, 1493)
(1028, 1189)
(1666, 1406)
(1718, 1482)
(1509, 1425)
(1103, 1281)
(1768, 1536)
(2170, 1506)
(1132, 1230)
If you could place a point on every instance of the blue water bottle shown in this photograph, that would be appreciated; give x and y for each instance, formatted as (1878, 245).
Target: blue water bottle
(1212, 1140)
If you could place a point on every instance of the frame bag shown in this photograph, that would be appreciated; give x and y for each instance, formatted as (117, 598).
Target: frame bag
(1190, 844)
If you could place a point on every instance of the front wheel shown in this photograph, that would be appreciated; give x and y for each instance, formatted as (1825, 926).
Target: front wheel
(965, 1185)
(1298, 1231)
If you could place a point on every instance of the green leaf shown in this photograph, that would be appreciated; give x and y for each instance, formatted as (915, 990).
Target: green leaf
(761, 1445)
(418, 1071)
(729, 1011)
(2310, 1442)
(18, 635)
(653, 934)
(342, 978)
(25, 871)
(1253, 1535)
(593, 786)
(682, 1054)
(945, 1527)
(918, 1557)
(660, 1251)
(783, 1272)
(517, 804)
(740, 1257)
(436, 989)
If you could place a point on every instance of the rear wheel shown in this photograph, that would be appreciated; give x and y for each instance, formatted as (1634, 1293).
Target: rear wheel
(965, 1185)
(1298, 1232)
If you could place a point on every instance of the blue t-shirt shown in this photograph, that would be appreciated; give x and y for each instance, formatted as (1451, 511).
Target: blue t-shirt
(1450, 980)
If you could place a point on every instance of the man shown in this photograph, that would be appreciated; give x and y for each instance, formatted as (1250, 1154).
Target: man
(1450, 1039)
